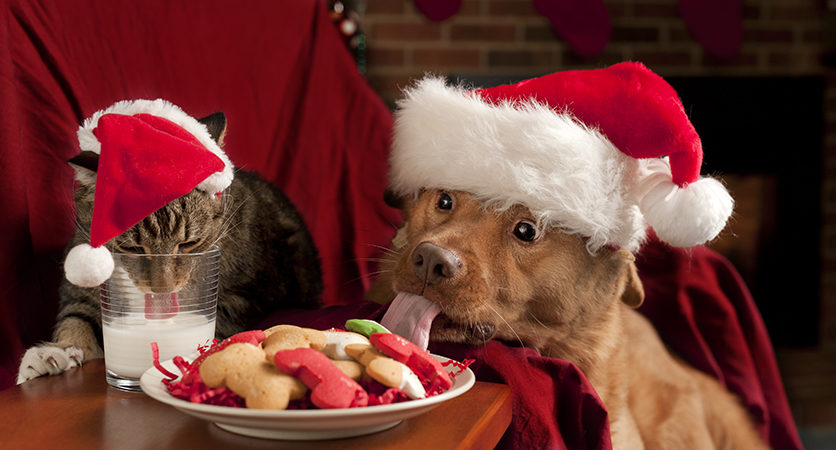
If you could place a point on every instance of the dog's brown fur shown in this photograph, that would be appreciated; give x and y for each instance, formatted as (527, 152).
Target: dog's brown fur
(552, 295)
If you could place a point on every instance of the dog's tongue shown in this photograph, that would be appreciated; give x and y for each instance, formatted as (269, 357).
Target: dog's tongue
(411, 316)
(161, 306)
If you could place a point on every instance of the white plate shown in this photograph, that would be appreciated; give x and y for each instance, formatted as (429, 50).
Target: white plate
(304, 424)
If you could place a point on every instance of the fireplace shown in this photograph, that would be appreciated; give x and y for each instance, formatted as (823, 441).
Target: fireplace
(763, 137)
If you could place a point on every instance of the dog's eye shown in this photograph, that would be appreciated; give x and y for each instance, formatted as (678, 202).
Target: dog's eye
(525, 231)
(445, 202)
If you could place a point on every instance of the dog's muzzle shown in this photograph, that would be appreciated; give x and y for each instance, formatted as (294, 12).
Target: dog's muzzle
(433, 264)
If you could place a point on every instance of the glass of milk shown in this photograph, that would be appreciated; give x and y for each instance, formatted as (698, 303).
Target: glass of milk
(168, 299)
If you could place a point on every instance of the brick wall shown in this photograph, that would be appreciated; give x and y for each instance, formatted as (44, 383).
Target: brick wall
(509, 38)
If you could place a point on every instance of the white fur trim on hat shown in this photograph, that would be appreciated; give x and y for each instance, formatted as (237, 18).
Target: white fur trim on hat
(569, 175)
(214, 183)
(88, 266)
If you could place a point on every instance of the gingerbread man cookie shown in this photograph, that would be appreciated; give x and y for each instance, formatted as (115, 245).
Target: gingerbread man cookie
(243, 369)
(286, 337)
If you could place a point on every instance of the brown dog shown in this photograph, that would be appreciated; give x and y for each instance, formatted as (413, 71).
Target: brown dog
(494, 274)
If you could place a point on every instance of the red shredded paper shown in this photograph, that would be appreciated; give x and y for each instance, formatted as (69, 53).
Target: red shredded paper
(188, 385)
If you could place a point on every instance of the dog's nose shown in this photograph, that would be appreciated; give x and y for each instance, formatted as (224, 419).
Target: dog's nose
(433, 264)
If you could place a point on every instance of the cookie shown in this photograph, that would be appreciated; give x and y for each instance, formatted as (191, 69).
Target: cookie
(337, 340)
(387, 371)
(365, 327)
(420, 361)
(243, 369)
(286, 337)
(352, 369)
(330, 387)
(253, 337)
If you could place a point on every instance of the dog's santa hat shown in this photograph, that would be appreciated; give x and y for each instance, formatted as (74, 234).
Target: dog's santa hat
(599, 153)
(150, 153)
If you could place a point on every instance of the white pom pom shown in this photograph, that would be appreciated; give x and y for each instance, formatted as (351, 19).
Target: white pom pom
(688, 216)
(88, 266)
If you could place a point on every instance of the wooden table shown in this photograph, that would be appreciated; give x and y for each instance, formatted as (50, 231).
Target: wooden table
(78, 410)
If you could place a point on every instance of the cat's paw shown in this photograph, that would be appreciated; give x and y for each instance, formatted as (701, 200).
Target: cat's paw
(48, 359)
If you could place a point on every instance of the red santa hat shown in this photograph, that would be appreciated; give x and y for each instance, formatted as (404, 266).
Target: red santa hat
(150, 153)
(600, 153)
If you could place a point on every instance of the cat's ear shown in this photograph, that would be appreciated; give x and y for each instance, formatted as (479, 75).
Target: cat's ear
(216, 124)
(85, 164)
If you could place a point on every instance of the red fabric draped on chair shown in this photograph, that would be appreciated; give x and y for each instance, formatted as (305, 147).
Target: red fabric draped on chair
(299, 113)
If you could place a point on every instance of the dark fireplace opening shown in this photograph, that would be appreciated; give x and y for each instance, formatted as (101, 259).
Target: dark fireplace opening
(764, 138)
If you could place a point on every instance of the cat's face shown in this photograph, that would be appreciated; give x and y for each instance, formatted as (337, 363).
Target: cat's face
(190, 224)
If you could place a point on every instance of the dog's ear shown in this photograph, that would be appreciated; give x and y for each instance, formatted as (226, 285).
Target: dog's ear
(392, 199)
(633, 295)
(398, 202)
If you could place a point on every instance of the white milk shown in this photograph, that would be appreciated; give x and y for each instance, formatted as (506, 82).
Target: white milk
(127, 341)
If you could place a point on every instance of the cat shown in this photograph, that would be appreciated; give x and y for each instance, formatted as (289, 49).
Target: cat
(269, 260)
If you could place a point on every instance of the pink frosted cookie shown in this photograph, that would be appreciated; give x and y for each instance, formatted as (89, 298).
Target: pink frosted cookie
(417, 359)
(330, 387)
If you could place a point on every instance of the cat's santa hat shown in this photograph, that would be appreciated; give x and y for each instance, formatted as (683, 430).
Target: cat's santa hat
(598, 153)
(150, 153)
